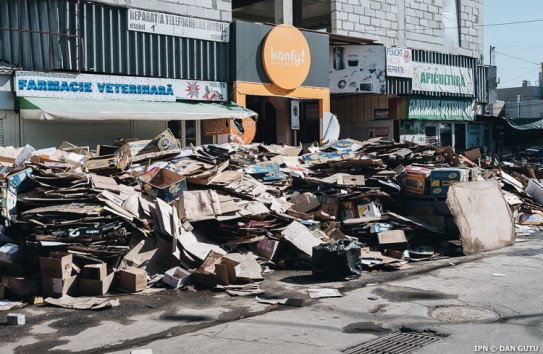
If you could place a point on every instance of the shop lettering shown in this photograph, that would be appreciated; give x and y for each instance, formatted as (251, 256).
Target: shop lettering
(397, 52)
(395, 69)
(60, 86)
(442, 79)
(288, 57)
(172, 20)
(135, 89)
(86, 86)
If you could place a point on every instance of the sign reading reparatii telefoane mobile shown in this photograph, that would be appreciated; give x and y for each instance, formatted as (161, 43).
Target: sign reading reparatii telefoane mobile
(179, 26)
(442, 78)
(107, 87)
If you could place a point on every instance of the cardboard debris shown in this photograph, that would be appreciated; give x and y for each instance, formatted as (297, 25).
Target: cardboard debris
(83, 303)
(301, 237)
(482, 215)
(194, 215)
(323, 293)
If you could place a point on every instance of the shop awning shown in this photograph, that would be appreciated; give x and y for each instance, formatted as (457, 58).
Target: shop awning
(80, 109)
(525, 123)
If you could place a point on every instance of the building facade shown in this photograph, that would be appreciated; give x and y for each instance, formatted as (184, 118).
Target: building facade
(405, 70)
(131, 69)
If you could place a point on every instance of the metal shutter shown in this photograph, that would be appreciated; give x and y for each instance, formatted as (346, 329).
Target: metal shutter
(43, 134)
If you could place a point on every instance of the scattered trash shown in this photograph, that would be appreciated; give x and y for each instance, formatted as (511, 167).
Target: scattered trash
(373, 298)
(82, 303)
(149, 213)
(17, 319)
(286, 301)
(322, 293)
(498, 275)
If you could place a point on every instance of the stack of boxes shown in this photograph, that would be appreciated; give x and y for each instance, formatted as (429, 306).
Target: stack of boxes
(56, 275)
(434, 182)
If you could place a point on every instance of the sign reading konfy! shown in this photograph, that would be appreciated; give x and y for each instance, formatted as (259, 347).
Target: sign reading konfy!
(179, 26)
(105, 87)
(442, 78)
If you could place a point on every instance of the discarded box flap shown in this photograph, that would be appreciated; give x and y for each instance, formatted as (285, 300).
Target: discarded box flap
(248, 266)
(301, 237)
(304, 202)
(391, 237)
(197, 246)
(482, 215)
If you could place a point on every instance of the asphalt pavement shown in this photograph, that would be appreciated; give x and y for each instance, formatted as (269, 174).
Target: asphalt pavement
(489, 302)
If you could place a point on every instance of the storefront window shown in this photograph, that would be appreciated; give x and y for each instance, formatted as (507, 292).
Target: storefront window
(445, 134)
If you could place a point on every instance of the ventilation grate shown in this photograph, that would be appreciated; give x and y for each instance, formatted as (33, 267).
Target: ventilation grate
(395, 343)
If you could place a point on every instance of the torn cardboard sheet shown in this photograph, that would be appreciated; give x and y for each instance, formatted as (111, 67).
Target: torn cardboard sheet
(324, 292)
(301, 237)
(198, 246)
(7, 305)
(482, 215)
(82, 303)
(288, 301)
(248, 268)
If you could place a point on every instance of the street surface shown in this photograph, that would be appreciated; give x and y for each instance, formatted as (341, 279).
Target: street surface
(489, 302)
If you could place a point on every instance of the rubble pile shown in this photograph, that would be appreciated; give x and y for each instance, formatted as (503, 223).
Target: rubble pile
(149, 213)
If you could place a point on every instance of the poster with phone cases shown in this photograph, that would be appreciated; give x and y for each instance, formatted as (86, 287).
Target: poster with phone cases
(242, 131)
(357, 69)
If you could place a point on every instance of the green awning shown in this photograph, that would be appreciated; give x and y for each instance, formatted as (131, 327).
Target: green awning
(80, 109)
(525, 123)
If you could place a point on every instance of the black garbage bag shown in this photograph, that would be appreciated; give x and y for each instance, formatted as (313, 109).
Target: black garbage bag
(338, 261)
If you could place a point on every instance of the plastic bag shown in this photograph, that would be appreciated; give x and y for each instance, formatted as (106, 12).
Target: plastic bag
(339, 261)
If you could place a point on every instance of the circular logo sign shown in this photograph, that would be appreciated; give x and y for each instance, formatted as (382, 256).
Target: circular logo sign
(286, 57)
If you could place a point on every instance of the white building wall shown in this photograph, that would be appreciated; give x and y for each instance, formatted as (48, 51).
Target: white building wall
(219, 10)
(409, 23)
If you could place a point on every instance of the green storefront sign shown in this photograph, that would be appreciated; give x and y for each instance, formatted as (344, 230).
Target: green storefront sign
(440, 109)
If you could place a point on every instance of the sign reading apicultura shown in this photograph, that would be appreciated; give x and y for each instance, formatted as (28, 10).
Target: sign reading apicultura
(442, 78)
(105, 87)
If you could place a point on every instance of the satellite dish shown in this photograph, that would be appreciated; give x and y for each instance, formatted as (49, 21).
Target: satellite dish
(330, 128)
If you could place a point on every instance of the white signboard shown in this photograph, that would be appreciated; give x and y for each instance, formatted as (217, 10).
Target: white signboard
(179, 26)
(399, 62)
(295, 114)
(105, 87)
(442, 78)
(357, 69)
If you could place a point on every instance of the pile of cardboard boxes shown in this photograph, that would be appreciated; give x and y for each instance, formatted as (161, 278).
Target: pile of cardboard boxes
(135, 214)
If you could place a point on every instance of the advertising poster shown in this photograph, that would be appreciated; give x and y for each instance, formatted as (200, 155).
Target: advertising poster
(399, 62)
(357, 69)
(242, 131)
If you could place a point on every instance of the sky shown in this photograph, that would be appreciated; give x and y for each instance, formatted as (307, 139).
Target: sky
(522, 40)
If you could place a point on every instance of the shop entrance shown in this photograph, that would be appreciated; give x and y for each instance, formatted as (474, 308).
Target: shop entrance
(274, 120)
(266, 128)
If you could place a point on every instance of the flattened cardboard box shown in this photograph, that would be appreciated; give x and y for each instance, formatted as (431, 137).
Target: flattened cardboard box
(57, 265)
(132, 279)
(102, 163)
(58, 287)
(305, 202)
(92, 287)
